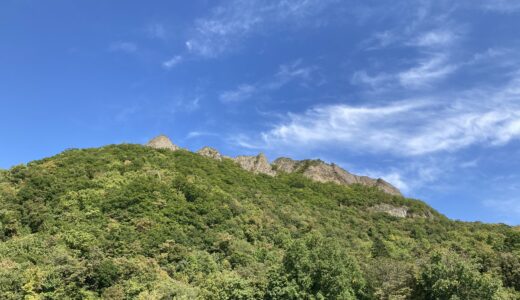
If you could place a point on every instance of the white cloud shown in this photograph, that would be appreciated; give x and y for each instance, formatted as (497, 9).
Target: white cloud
(174, 61)
(393, 177)
(238, 19)
(196, 134)
(408, 128)
(435, 38)
(241, 93)
(413, 173)
(120, 46)
(374, 81)
(287, 73)
(294, 71)
(244, 141)
(421, 75)
(434, 68)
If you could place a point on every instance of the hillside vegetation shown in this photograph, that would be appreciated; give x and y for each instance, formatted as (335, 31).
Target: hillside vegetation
(132, 222)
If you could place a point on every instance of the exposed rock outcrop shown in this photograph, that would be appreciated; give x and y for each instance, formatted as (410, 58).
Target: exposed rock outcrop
(320, 171)
(314, 169)
(211, 153)
(256, 164)
(396, 211)
(286, 165)
(162, 142)
(400, 211)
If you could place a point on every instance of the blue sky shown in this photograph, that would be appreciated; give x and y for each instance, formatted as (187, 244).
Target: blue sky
(425, 94)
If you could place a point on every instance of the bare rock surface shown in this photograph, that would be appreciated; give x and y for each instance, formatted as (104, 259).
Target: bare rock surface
(401, 211)
(320, 171)
(211, 153)
(256, 164)
(314, 169)
(162, 142)
(396, 211)
(284, 164)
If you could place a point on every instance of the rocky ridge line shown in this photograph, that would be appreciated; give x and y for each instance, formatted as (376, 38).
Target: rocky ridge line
(314, 169)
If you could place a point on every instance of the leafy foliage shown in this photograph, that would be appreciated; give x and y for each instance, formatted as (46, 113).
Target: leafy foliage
(131, 222)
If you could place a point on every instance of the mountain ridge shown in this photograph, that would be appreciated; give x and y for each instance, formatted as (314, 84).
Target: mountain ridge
(314, 169)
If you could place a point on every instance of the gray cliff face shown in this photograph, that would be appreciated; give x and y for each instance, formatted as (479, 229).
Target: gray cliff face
(314, 169)
(162, 142)
(256, 164)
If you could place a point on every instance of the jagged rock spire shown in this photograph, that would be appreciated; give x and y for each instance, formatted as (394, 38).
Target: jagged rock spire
(162, 142)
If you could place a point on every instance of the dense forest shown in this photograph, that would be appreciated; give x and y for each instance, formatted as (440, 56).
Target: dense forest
(132, 222)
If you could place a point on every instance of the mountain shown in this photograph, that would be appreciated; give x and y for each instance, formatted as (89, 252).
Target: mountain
(158, 222)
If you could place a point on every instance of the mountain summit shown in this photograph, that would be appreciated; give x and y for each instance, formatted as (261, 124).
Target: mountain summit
(162, 142)
(314, 169)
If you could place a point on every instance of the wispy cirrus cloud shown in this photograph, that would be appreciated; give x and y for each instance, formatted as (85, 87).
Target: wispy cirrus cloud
(427, 71)
(292, 72)
(241, 93)
(236, 20)
(197, 134)
(422, 74)
(172, 62)
(435, 38)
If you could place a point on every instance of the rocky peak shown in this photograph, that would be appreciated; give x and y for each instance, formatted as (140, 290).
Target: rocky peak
(256, 164)
(387, 187)
(314, 169)
(162, 142)
(323, 172)
(211, 153)
(286, 165)
(320, 171)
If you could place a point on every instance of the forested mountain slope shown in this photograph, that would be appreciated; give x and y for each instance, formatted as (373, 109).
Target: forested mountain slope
(134, 222)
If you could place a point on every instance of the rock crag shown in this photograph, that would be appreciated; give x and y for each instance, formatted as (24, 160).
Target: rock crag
(256, 164)
(211, 153)
(400, 211)
(314, 169)
(320, 171)
(396, 211)
(162, 142)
